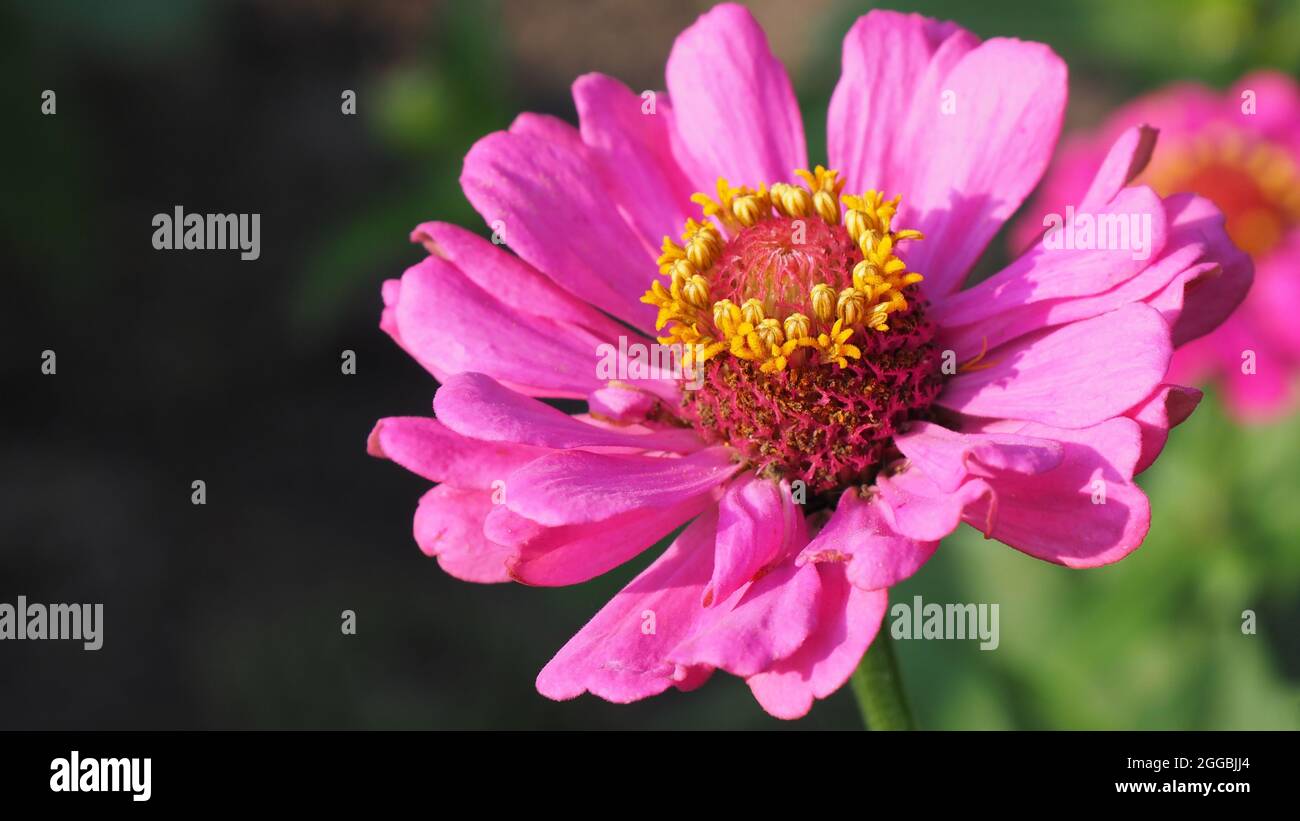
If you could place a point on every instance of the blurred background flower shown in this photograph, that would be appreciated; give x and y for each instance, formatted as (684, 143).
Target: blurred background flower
(1241, 149)
(176, 367)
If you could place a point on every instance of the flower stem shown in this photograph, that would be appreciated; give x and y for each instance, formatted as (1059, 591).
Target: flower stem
(879, 688)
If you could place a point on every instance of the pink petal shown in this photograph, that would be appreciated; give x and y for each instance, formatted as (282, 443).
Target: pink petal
(967, 172)
(450, 325)
(848, 620)
(546, 196)
(1201, 306)
(1262, 396)
(1275, 293)
(622, 404)
(1165, 409)
(1207, 357)
(1088, 172)
(948, 472)
(1055, 515)
(885, 58)
(518, 285)
(1127, 158)
(1277, 106)
(1175, 112)
(949, 457)
(577, 487)
(571, 554)
(735, 112)
(758, 522)
(633, 149)
(1177, 270)
(1190, 255)
(449, 525)
(548, 128)
(766, 622)
(1264, 325)
(620, 655)
(479, 407)
(1073, 376)
(1251, 397)
(1047, 273)
(917, 508)
(391, 291)
(428, 448)
(860, 535)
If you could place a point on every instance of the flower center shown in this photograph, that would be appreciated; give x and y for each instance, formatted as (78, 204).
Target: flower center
(813, 343)
(829, 427)
(1255, 183)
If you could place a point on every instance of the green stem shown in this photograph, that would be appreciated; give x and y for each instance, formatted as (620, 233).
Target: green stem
(879, 688)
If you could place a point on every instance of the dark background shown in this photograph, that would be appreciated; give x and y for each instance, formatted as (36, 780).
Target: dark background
(176, 366)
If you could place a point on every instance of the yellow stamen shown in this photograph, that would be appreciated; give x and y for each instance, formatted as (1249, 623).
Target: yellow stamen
(851, 306)
(752, 311)
(791, 200)
(796, 327)
(703, 245)
(823, 302)
(754, 330)
(696, 292)
(770, 333)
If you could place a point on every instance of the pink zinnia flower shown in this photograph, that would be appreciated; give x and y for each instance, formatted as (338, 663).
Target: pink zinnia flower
(854, 405)
(1241, 150)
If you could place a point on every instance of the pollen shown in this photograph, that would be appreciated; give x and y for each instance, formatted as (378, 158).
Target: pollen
(785, 275)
